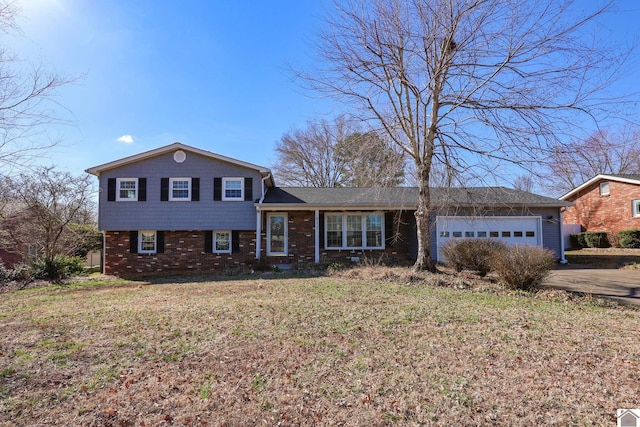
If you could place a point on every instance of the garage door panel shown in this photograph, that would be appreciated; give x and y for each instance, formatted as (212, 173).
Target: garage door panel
(510, 230)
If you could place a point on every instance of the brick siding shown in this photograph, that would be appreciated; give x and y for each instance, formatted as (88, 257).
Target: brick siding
(301, 239)
(610, 213)
(183, 254)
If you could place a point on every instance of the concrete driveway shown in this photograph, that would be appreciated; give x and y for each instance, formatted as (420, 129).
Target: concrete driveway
(622, 285)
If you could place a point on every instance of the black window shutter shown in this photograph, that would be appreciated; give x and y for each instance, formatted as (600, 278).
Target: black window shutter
(160, 242)
(133, 241)
(195, 189)
(111, 190)
(321, 223)
(235, 241)
(208, 241)
(217, 189)
(389, 229)
(164, 189)
(248, 189)
(142, 189)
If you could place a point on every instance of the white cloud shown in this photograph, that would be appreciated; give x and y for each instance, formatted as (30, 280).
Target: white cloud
(127, 139)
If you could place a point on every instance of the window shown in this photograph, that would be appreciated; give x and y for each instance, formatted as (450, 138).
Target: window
(222, 242)
(506, 234)
(444, 234)
(32, 251)
(482, 234)
(354, 231)
(127, 189)
(493, 234)
(604, 188)
(334, 231)
(232, 189)
(469, 234)
(179, 189)
(277, 234)
(636, 207)
(517, 234)
(457, 234)
(147, 242)
(374, 231)
(530, 233)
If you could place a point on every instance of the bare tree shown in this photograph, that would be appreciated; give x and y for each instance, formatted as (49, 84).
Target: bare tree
(572, 164)
(463, 83)
(26, 98)
(45, 207)
(336, 154)
(370, 161)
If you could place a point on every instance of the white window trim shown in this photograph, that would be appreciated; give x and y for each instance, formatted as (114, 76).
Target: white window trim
(214, 250)
(602, 184)
(224, 189)
(364, 216)
(155, 242)
(635, 208)
(286, 234)
(136, 189)
(179, 199)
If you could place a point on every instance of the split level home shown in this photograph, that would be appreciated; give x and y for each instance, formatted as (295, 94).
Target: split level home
(183, 210)
(608, 203)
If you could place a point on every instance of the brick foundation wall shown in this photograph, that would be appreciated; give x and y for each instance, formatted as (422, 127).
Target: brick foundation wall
(604, 213)
(301, 238)
(184, 253)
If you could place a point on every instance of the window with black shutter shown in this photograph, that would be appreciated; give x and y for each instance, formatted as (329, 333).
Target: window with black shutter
(133, 241)
(217, 189)
(164, 189)
(142, 189)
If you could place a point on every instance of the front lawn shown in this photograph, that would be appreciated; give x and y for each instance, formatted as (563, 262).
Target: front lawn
(311, 351)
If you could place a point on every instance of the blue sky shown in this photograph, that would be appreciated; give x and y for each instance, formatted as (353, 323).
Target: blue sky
(212, 74)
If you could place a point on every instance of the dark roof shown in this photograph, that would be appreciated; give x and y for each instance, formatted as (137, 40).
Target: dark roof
(404, 197)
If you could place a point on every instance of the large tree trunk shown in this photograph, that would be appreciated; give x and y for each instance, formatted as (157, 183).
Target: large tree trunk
(424, 261)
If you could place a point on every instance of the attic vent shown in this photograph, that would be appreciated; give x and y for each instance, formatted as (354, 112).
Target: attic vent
(179, 156)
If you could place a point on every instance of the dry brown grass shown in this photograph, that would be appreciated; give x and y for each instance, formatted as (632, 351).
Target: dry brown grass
(393, 350)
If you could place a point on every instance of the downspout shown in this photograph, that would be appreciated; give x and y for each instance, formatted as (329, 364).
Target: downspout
(316, 237)
(263, 190)
(259, 219)
(563, 260)
(104, 252)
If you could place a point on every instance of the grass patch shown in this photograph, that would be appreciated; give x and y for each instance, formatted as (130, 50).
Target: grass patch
(361, 347)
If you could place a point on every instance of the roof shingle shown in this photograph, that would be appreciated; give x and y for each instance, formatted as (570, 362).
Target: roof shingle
(405, 197)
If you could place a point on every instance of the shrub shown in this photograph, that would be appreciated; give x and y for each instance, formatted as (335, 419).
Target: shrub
(523, 267)
(21, 274)
(471, 254)
(629, 238)
(578, 240)
(596, 239)
(613, 239)
(58, 268)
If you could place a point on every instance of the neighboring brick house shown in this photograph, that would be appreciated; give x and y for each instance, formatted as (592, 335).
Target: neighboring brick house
(182, 210)
(13, 250)
(24, 234)
(605, 203)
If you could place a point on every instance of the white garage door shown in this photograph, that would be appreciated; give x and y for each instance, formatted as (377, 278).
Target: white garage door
(513, 230)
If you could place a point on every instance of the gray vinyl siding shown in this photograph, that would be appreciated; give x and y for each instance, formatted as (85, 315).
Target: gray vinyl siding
(153, 214)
